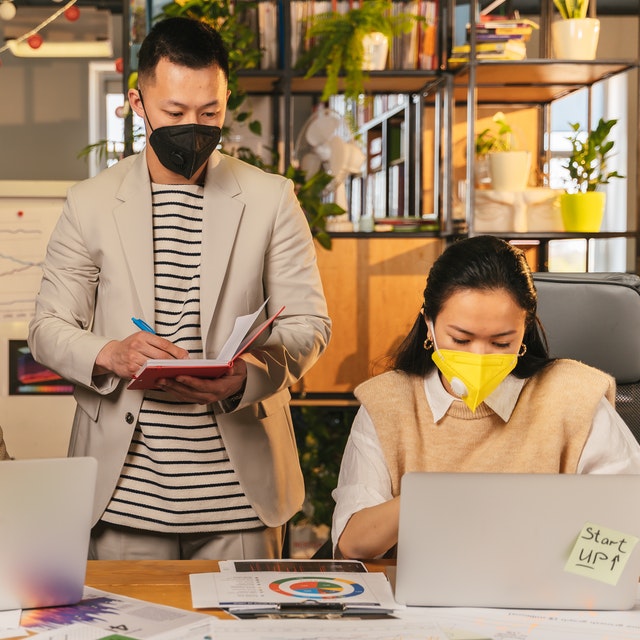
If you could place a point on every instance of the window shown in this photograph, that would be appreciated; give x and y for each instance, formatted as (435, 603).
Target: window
(106, 101)
(608, 99)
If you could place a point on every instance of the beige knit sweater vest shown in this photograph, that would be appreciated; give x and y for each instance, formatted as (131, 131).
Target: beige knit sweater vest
(545, 434)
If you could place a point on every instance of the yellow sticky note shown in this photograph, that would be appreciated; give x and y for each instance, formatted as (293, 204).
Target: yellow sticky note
(600, 553)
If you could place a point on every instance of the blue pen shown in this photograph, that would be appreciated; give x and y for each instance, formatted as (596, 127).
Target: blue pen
(142, 325)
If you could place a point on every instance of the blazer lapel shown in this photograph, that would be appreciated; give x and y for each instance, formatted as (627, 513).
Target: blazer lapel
(133, 218)
(222, 215)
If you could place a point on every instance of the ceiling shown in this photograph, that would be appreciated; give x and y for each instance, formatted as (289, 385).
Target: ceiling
(530, 7)
(114, 6)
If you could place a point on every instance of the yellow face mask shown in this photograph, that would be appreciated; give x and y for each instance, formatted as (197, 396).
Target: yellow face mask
(473, 376)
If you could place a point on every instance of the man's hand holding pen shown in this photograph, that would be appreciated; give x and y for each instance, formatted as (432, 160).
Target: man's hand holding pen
(125, 357)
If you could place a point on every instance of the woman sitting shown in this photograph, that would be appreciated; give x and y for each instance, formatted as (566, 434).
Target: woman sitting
(473, 389)
(4, 455)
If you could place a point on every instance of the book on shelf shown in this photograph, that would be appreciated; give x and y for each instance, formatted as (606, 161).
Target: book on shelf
(497, 38)
(509, 50)
(520, 29)
(268, 36)
(262, 19)
(396, 190)
(416, 49)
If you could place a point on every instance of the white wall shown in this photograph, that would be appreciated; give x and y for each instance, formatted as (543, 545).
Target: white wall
(35, 426)
(44, 119)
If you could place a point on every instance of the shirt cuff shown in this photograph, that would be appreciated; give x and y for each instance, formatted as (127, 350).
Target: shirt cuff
(232, 402)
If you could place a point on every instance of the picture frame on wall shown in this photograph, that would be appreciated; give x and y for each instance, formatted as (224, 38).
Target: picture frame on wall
(28, 377)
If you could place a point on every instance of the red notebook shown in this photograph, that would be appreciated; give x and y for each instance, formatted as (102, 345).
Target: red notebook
(238, 342)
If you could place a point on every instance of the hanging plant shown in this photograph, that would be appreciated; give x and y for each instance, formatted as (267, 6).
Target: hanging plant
(337, 46)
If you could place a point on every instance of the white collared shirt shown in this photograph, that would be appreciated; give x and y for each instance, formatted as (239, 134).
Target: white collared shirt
(364, 479)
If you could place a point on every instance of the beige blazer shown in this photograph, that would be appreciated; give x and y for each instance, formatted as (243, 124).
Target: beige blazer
(98, 273)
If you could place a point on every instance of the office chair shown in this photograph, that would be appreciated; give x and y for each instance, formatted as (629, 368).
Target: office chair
(595, 318)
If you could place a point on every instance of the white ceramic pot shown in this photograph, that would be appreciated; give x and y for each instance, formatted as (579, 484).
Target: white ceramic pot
(575, 39)
(376, 49)
(509, 170)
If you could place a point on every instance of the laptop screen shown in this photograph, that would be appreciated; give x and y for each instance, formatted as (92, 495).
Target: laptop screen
(45, 524)
(547, 541)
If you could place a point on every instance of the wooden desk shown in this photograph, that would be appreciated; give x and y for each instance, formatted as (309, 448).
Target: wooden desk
(159, 581)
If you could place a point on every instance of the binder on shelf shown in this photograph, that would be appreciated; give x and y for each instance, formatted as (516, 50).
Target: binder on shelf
(428, 52)
(269, 34)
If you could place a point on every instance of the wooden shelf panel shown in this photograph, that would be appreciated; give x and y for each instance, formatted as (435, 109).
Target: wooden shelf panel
(517, 82)
(259, 83)
(563, 235)
(535, 81)
(379, 82)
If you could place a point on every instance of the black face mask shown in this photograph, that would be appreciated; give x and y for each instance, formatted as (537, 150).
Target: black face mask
(183, 148)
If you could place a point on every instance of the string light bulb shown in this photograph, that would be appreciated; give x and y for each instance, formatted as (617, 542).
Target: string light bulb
(72, 13)
(35, 41)
(7, 10)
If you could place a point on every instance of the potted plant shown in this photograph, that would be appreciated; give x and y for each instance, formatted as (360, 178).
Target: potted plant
(310, 193)
(574, 36)
(508, 167)
(582, 205)
(321, 436)
(338, 41)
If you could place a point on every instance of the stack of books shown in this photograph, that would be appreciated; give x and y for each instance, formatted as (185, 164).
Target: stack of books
(497, 38)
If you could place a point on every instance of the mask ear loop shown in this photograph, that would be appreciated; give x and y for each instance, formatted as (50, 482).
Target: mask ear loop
(145, 111)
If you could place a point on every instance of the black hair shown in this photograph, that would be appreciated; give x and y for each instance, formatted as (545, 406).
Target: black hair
(184, 41)
(482, 262)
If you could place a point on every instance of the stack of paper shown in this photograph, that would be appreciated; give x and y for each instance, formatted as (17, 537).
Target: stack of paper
(496, 39)
(294, 593)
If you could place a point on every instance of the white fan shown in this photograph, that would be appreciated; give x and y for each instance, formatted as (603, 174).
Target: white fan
(326, 143)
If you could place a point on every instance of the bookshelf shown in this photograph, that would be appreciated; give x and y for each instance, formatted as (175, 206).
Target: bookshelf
(534, 84)
(421, 183)
(280, 79)
(425, 118)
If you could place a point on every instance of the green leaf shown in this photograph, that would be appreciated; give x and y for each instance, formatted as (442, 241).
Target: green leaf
(255, 126)
(587, 163)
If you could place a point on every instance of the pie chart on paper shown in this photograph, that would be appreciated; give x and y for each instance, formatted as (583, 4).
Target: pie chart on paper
(317, 588)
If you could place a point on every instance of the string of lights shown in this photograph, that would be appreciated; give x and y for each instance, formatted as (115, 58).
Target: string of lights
(33, 37)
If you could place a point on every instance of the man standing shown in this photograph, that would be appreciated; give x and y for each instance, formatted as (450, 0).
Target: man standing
(186, 239)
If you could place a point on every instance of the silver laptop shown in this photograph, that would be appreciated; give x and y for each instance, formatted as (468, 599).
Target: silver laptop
(45, 521)
(519, 540)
